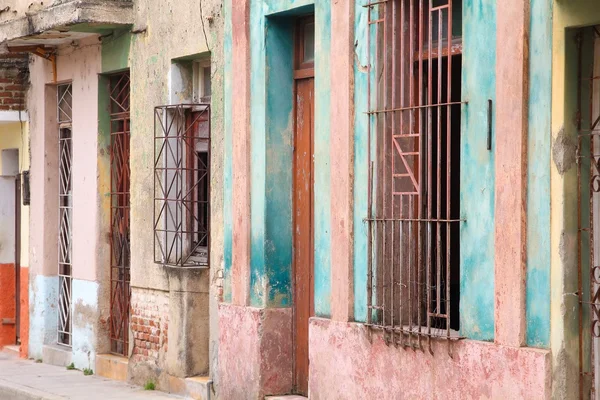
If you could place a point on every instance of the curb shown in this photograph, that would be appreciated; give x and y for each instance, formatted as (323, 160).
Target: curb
(12, 391)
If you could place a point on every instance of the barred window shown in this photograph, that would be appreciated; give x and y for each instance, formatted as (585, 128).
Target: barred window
(182, 185)
(414, 168)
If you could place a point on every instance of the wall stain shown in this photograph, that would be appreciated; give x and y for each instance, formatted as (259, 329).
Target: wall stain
(564, 151)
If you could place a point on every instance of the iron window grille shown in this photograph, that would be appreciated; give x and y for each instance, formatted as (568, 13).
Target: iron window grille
(65, 211)
(182, 185)
(413, 161)
(120, 291)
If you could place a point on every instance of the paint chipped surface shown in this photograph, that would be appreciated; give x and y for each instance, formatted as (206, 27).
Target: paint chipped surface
(476, 370)
(564, 152)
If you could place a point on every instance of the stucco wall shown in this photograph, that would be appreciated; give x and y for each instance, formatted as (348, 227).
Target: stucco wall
(172, 30)
(79, 64)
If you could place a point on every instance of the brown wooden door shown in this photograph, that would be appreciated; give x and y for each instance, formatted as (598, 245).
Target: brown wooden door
(303, 227)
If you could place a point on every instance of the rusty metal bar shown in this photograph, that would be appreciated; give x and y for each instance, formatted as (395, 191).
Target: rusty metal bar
(65, 211)
(120, 291)
(411, 213)
(182, 185)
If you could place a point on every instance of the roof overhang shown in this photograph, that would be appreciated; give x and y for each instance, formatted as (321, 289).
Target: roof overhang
(66, 22)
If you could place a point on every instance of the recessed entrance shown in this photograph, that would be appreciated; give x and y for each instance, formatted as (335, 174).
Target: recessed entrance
(303, 198)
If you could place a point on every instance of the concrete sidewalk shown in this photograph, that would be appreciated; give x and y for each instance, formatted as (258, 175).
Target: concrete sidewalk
(27, 380)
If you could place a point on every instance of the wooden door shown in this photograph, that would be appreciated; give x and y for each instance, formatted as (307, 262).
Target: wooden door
(303, 205)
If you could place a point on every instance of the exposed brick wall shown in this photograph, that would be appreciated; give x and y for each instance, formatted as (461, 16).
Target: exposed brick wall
(13, 83)
(149, 324)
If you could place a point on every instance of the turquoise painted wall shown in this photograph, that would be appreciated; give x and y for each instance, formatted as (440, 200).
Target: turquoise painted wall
(361, 156)
(228, 156)
(477, 171)
(322, 210)
(271, 125)
(538, 177)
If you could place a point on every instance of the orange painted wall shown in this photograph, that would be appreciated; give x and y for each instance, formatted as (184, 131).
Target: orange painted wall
(24, 334)
(7, 303)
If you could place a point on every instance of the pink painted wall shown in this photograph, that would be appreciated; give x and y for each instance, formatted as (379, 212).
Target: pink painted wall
(346, 364)
(80, 65)
(255, 352)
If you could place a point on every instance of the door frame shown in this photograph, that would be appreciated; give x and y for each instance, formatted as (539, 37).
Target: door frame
(301, 70)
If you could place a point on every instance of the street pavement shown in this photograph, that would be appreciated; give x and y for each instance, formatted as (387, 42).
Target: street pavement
(27, 380)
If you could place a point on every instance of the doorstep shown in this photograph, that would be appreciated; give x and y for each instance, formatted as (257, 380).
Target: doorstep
(198, 388)
(286, 397)
(57, 355)
(112, 367)
(12, 349)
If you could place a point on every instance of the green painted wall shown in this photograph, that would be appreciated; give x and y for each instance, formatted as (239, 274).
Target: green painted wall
(115, 51)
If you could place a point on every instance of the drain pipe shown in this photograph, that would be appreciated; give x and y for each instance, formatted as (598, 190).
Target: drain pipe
(209, 386)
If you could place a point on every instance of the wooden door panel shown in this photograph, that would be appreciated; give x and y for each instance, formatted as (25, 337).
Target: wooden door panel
(303, 227)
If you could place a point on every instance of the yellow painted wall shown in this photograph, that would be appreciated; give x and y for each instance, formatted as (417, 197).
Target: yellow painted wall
(13, 136)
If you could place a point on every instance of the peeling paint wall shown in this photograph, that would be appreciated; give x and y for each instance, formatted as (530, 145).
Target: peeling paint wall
(79, 63)
(564, 330)
(164, 33)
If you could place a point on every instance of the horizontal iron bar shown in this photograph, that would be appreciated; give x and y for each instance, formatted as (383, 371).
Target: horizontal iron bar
(416, 107)
(414, 220)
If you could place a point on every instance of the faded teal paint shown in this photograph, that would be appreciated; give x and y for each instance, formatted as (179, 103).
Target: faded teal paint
(271, 126)
(228, 156)
(477, 174)
(322, 178)
(284, 8)
(258, 284)
(115, 51)
(279, 130)
(361, 156)
(538, 176)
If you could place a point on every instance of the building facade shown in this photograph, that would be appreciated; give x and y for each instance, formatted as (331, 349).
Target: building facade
(409, 199)
(14, 214)
(101, 297)
(334, 199)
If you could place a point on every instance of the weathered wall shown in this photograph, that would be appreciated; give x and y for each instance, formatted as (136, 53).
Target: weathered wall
(80, 64)
(563, 173)
(168, 31)
(366, 368)
(14, 134)
(11, 9)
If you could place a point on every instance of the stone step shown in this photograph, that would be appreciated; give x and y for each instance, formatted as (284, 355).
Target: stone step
(112, 367)
(59, 356)
(13, 349)
(199, 388)
(286, 397)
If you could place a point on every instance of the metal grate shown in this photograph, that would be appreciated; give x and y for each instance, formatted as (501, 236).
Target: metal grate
(588, 177)
(120, 292)
(65, 205)
(182, 185)
(414, 137)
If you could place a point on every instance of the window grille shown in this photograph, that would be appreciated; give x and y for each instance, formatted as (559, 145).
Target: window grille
(414, 138)
(120, 292)
(65, 211)
(182, 185)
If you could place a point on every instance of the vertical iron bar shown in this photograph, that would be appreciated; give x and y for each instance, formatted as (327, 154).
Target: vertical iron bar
(438, 133)
(370, 175)
(579, 223)
(448, 167)
(411, 196)
(393, 197)
(429, 177)
(420, 174)
(406, 339)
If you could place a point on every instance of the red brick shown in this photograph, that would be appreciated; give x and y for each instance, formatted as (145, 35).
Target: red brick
(11, 101)
(14, 87)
